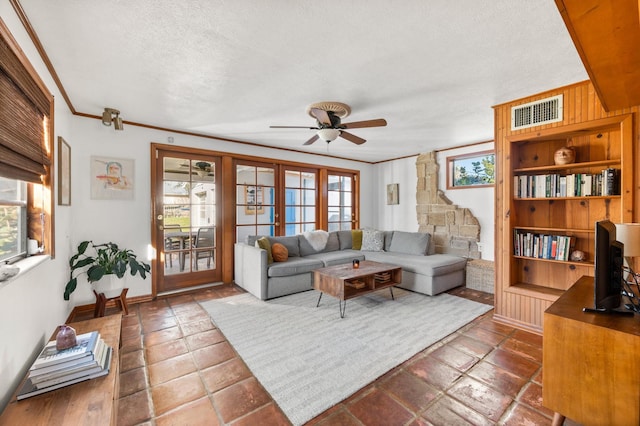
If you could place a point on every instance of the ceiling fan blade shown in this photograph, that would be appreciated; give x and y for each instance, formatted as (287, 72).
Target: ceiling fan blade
(321, 115)
(380, 122)
(352, 138)
(293, 127)
(312, 140)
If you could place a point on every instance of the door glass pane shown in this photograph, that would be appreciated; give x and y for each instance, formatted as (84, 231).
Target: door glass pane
(300, 200)
(339, 211)
(189, 206)
(255, 194)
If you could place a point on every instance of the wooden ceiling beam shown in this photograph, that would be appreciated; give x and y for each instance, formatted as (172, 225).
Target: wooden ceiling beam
(606, 34)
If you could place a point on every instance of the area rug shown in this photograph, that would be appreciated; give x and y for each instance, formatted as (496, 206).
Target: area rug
(309, 358)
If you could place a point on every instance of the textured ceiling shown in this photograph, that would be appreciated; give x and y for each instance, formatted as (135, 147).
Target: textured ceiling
(432, 69)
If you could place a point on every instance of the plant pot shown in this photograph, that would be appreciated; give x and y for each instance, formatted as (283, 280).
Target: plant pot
(109, 285)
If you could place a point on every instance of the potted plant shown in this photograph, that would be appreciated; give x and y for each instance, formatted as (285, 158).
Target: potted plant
(102, 259)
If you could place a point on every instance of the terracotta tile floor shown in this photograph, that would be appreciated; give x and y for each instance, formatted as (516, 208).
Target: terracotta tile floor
(176, 368)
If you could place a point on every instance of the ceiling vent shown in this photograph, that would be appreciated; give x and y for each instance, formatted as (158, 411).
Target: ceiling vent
(536, 113)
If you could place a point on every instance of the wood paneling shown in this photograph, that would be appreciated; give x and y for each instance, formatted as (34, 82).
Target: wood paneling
(524, 288)
(607, 35)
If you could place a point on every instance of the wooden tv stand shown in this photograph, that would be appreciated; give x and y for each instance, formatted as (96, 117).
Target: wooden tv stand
(590, 361)
(90, 402)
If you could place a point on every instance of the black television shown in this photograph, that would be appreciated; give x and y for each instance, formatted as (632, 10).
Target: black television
(609, 254)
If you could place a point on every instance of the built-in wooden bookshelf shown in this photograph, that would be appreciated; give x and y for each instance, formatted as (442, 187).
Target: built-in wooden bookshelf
(528, 283)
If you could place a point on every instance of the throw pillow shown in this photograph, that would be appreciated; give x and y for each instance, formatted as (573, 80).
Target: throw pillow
(280, 252)
(410, 242)
(291, 243)
(265, 244)
(372, 240)
(356, 239)
(345, 240)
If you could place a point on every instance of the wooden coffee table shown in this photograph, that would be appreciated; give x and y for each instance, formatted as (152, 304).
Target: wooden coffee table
(346, 282)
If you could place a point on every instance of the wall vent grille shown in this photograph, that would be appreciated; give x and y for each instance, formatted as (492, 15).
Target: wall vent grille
(536, 113)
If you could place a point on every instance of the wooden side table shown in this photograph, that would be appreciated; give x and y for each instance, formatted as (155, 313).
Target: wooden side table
(92, 402)
(102, 300)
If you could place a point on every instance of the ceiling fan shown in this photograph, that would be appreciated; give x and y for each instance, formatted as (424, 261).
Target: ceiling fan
(201, 168)
(329, 124)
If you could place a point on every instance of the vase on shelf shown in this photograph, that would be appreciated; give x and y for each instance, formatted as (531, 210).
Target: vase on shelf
(565, 155)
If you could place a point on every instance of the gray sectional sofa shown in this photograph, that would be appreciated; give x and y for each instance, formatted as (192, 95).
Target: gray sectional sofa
(422, 271)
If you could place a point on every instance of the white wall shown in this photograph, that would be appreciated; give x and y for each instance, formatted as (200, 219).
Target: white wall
(403, 216)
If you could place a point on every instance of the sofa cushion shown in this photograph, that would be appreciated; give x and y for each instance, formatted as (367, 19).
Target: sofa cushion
(432, 266)
(372, 240)
(338, 257)
(410, 242)
(345, 240)
(265, 244)
(388, 235)
(333, 244)
(294, 266)
(312, 242)
(356, 239)
(291, 243)
(280, 252)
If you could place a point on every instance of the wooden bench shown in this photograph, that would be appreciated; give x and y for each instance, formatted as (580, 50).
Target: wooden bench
(93, 402)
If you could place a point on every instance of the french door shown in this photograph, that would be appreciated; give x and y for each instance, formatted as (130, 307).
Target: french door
(187, 220)
(275, 200)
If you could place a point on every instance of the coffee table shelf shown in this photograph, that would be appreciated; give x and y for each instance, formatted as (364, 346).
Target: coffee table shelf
(346, 282)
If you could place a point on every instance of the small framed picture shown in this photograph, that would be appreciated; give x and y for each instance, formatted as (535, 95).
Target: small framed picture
(64, 172)
(471, 170)
(112, 178)
(392, 194)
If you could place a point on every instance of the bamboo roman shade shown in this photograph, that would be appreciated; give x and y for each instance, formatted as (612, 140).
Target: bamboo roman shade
(24, 116)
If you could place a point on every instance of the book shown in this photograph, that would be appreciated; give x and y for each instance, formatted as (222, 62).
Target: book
(86, 344)
(74, 366)
(86, 359)
(28, 389)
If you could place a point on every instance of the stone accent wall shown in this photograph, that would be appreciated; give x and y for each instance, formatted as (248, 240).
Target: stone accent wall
(455, 230)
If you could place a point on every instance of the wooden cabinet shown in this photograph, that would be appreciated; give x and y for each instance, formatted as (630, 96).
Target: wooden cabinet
(591, 361)
(530, 205)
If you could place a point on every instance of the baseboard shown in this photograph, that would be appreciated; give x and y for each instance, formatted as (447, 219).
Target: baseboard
(517, 324)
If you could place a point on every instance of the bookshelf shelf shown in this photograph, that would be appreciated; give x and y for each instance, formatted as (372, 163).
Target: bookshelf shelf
(568, 167)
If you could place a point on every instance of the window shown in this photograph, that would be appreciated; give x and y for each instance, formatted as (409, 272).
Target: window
(26, 140)
(340, 202)
(471, 170)
(13, 219)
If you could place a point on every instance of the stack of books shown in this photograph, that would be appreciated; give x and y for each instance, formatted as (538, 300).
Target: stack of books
(382, 277)
(54, 369)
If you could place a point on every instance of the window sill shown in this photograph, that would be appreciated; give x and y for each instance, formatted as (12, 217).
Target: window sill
(25, 266)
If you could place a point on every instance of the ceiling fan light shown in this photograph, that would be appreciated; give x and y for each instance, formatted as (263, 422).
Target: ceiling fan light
(328, 135)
